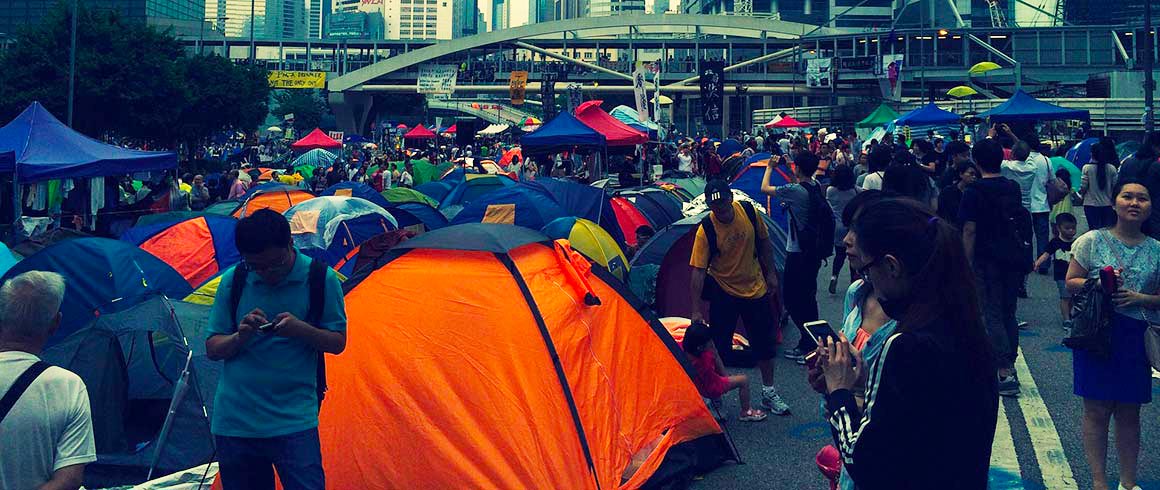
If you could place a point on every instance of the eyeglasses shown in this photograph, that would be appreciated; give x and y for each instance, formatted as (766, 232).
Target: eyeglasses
(862, 271)
(267, 267)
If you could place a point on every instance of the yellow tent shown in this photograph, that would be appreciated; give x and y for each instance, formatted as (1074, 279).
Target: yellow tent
(591, 240)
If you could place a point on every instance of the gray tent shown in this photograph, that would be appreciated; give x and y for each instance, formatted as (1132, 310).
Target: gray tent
(150, 387)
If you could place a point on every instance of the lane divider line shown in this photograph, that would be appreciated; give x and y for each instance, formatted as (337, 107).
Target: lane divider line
(1049, 453)
(1003, 456)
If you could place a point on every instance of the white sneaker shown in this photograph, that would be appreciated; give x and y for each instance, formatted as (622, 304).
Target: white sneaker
(1137, 487)
(772, 401)
(1155, 373)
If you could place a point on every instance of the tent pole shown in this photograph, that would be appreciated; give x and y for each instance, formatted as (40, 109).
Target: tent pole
(167, 426)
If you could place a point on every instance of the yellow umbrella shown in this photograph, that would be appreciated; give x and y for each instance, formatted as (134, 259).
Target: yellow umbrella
(983, 67)
(962, 91)
(665, 100)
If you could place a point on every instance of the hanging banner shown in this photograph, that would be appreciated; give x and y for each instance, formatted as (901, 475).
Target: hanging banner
(516, 85)
(335, 135)
(820, 73)
(639, 91)
(656, 106)
(857, 63)
(548, 94)
(437, 79)
(575, 96)
(712, 91)
(296, 79)
(889, 73)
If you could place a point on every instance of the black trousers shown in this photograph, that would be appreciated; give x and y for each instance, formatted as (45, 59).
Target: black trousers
(724, 309)
(799, 290)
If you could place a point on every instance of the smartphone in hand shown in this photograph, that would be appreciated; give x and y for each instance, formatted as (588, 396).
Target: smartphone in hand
(819, 330)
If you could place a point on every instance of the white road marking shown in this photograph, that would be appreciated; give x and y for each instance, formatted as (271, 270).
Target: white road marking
(1003, 455)
(1049, 453)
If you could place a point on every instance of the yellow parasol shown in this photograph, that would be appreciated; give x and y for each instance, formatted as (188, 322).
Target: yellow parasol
(983, 67)
(962, 91)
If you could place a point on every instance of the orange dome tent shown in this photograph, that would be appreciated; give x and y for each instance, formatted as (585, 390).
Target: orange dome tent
(559, 382)
(279, 199)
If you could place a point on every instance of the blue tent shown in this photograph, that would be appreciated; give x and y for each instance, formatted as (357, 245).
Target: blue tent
(417, 216)
(359, 190)
(46, 149)
(102, 276)
(7, 258)
(661, 207)
(1023, 107)
(748, 180)
(1081, 153)
(561, 134)
(520, 204)
(267, 187)
(473, 187)
(729, 147)
(436, 190)
(317, 157)
(583, 201)
(927, 115)
(329, 228)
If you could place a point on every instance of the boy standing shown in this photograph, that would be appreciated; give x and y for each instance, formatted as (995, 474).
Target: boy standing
(1059, 252)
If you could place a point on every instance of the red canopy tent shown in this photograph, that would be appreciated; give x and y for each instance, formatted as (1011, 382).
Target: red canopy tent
(316, 139)
(401, 126)
(452, 129)
(614, 131)
(419, 133)
(789, 122)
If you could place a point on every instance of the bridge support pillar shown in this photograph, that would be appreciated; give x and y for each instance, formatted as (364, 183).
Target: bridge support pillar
(351, 110)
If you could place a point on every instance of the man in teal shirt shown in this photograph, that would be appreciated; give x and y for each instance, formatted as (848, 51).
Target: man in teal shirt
(266, 407)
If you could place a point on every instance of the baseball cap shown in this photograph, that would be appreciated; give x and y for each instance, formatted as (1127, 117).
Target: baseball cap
(717, 189)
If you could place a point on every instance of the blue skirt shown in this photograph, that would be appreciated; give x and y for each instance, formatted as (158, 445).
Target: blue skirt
(1126, 377)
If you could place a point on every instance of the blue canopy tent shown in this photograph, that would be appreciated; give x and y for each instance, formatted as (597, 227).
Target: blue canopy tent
(926, 118)
(1022, 107)
(562, 133)
(44, 148)
(359, 190)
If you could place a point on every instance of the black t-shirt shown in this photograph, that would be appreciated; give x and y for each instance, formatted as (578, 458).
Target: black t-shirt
(981, 204)
(1060, 253)
(949, 200)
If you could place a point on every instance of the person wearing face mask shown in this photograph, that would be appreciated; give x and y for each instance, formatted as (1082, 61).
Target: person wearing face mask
(914, 413)
(1114, 387)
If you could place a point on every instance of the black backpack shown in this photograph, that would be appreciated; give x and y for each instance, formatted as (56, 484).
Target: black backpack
(711, 286)
(1010, 245)
(817, 238)
(317, 282)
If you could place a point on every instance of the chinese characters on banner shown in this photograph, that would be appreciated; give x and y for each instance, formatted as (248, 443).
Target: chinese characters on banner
(548, 93)
(516, 85)
(575, 96)
(656, 70)
(296, 79)
(438, 80)
(638, 89)
(820, 73)
(712, 91)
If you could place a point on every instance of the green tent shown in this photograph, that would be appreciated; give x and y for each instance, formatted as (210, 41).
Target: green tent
(881, 116)
(399, 195)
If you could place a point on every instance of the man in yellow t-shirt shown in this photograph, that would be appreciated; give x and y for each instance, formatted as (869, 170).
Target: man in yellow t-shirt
(741, 274)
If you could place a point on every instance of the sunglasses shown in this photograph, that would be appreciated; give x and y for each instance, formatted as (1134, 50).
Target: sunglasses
(862, 271)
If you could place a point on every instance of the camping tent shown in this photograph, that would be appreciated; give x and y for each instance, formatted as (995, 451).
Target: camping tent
(684, 188)
(729, 147)
(7, 258)
(399, 195)
(493, 129)
(561, 134)
(315, 158)
(591, 240)
(1023, 107)
(789, 122)
(419, 133)
(927, 115)
(150, 389)
(564, 393)
(43, 148)
(881, 116)
(628, 218)
(615, 132)
(359, 190)
(330, 227)
(197, 248)
(661, 208)
(417, 216)
(102, 276)
(748, 180)
(316, 139)
(631, 117)
(582, 201)
(520, 204)
(278, 198)
(473, 187)
(223, 208)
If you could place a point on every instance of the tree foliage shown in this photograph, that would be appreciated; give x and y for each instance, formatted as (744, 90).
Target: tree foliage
(132, 81)
(306, 105)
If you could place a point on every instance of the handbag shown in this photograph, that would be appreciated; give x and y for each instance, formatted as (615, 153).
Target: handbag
(1091, 321)
(1057, 190)
(1152, 344)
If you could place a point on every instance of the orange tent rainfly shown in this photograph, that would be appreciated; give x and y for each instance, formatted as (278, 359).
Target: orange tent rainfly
(198, 248)
(316, 139)
(279, 199)
(488, 356)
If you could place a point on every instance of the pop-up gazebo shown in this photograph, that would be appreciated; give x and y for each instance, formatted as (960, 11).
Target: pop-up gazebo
(419, 133)
(789, 122)
(1022, 107)
(316, 139)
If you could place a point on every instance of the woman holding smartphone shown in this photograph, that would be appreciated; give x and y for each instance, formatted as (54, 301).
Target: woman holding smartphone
(942, 432)
(1116, 387)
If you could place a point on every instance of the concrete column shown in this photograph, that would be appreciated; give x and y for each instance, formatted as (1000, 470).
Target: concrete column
(725, 115)
(351, 110)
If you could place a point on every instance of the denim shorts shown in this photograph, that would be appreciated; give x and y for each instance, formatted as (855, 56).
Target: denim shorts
(1063, 292)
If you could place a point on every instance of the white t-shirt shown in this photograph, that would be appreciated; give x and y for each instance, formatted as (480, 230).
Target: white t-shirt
(873, 181)
(51, 424)
(684, 162)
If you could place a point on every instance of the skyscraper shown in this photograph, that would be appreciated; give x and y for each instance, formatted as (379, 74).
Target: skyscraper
(317, 15)
(570, 9)
(465, 18)
(542, 11)
(605, 8)
(500, 17)
(273, 19)
(184, 16)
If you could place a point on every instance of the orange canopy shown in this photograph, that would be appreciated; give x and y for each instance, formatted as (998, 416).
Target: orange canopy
(487, 356)
(279, 200)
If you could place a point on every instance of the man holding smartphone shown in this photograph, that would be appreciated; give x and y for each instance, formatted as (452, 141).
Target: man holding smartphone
(270, 390)
(733, 270)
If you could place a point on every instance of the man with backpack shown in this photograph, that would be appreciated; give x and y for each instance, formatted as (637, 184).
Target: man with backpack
(274, 315)
(733, 270)
(810, 240)
(997, 238)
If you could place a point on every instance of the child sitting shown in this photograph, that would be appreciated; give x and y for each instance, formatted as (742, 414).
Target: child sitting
(1059, 252)
(710, 375)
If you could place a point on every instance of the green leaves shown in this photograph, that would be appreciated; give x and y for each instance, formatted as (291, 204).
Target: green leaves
(306, 105)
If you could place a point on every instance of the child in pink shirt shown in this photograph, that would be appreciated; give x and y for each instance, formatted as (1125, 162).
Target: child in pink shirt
(710, 376)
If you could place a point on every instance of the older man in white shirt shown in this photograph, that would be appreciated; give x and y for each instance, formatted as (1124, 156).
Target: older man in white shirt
(45, 421)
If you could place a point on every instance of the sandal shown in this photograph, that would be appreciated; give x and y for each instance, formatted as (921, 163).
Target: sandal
(753, 415)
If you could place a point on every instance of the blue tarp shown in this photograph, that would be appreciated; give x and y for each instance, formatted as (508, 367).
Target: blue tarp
(927, 115)
(1023, 107)
(561, 134)
(359, 190)
(583, 201)
(532, 208)
(46, 149)
(102, 275)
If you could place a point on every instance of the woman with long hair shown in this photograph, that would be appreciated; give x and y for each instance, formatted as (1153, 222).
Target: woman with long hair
(1096, 183)
(838, 194)
(1114, 386)
(931, 394)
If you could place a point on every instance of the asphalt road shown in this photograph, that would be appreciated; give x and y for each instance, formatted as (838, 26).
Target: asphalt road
(1039, 447)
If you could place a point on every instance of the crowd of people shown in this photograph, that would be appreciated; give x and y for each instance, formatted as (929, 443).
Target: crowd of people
(937, 235)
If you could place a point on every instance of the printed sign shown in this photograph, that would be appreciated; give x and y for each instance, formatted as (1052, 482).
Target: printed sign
(638, 89)
(437, 79)
(516, 85)
(889, 73)
(820, 73)
(297, 79)
(712, 91)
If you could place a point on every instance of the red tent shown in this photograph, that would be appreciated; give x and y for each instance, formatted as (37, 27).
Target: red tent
(789, 122)
(316, 139)
(419, 133)
(401, 126)
(452, 129)
(614, 131)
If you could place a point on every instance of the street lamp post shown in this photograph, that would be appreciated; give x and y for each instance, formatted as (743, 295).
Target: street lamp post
(253, 50)
(1149, 82)
(72, 63)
